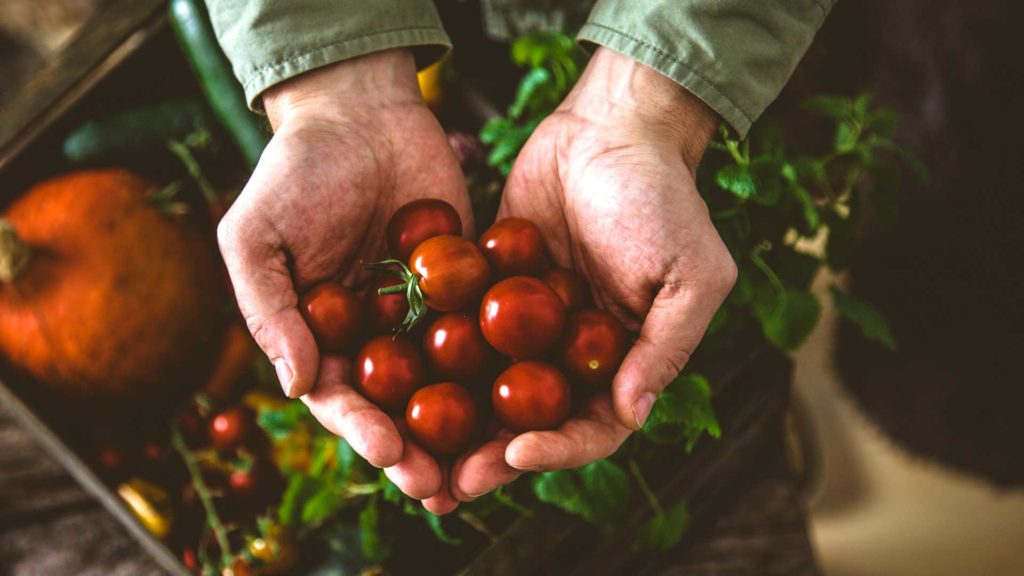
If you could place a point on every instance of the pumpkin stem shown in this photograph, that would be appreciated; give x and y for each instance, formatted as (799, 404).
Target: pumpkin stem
(14, 253)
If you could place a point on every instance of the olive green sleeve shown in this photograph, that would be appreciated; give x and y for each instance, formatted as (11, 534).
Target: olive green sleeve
(735, 55)
(269, 41)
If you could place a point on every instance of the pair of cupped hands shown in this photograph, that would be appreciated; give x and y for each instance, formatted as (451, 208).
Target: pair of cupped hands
(608, 178)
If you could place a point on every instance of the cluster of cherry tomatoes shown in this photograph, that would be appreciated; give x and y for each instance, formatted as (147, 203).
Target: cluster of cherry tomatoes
(450, 331)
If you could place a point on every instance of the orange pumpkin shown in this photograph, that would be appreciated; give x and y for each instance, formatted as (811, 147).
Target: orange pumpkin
(101, 294)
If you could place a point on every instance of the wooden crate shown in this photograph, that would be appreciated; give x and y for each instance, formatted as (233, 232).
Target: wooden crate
(750, 397)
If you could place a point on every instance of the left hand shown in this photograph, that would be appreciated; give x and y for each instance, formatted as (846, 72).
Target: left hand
(609, 179)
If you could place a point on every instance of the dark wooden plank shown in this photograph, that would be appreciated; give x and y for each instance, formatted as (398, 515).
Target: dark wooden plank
(49, 524)
(115, 31)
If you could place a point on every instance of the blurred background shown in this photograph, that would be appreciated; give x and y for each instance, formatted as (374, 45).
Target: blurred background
(914, 462)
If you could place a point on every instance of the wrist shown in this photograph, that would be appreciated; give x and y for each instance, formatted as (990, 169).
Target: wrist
(381, 78)
(617, 91)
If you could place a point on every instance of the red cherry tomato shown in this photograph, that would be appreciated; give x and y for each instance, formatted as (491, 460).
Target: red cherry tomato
(335, 316)
(455, 348)
(418, 220)
(256, 488)
(593, 346)
(232, 428)
(190, 560)
(521, 317)
(569, 286)
(453, 273)
(384, 313)
(388, 370)
(531, 395)
(513, 247)
(443, 418)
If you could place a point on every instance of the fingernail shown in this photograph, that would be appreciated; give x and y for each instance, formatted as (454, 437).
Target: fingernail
(642, 409)
(284, 375)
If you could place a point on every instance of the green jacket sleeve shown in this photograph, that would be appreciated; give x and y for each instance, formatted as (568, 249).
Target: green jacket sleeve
(735, 55)
(269, 41)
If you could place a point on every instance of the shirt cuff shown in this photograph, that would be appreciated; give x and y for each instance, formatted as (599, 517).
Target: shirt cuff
(270, 41)
(735, 55)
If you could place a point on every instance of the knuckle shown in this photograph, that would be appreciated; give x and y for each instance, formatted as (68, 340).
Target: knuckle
(228, 233)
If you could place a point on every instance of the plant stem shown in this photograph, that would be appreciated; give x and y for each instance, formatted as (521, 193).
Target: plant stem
(212, 520)
(507, 501)
(192, 165)
(645, 489)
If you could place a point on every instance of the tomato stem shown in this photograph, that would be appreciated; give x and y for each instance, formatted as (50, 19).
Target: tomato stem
(409, 285)
(645, 488)
(205, 497)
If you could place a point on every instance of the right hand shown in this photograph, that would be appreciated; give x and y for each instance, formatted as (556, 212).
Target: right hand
(352, 143)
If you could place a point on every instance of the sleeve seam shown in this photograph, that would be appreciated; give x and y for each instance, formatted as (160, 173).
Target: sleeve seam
(679, 62)
(271, 66)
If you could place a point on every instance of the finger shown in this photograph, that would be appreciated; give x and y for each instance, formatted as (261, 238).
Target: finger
(483, 470)
(417, 474)
(670, 333)
(442, 502)
(594, 435)
(266, 296)
(345, 412)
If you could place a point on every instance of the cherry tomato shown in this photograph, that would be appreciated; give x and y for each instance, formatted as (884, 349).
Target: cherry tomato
(335, 316)
(418, 220)
(531, 395)
(443, 418)
(513, 247)
(521, 317)
(256, 488)
(388, 370)
(593, 346)
(190, 560)
(384, 313)
(240, 567)
(569, 286)
(455, 348)
(232, 428)
(453, 272)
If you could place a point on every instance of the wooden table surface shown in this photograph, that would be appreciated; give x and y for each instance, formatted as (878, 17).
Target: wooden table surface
(49, 526)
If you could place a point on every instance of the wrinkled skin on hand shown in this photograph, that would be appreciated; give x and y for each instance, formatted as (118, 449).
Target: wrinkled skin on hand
(353, 142)
(609, 179)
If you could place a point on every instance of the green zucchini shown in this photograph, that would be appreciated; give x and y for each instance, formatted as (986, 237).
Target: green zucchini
(192, 26)
(138, 130)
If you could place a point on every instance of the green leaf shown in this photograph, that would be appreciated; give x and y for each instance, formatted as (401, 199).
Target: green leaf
(736, 179)
(534, 81)
(803, 197)
(872, 324)
(434, 523)
(298, 489)
(664, 531)
(882, 121)
(493, 129)
(389, 491)
(860, 107)
(606, 486)
(346, 457)
(323, 504)
(370, 540)
(279, 423)
(765, 170)
(598, 492)
(847, 135)
(683, 413)
(788, 318)
(835, 107)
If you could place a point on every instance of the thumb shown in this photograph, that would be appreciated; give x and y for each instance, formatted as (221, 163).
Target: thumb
(671, 331)
(257, 263)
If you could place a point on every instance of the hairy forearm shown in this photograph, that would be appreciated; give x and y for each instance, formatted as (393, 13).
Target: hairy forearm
(387, 77)
(615, 89)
